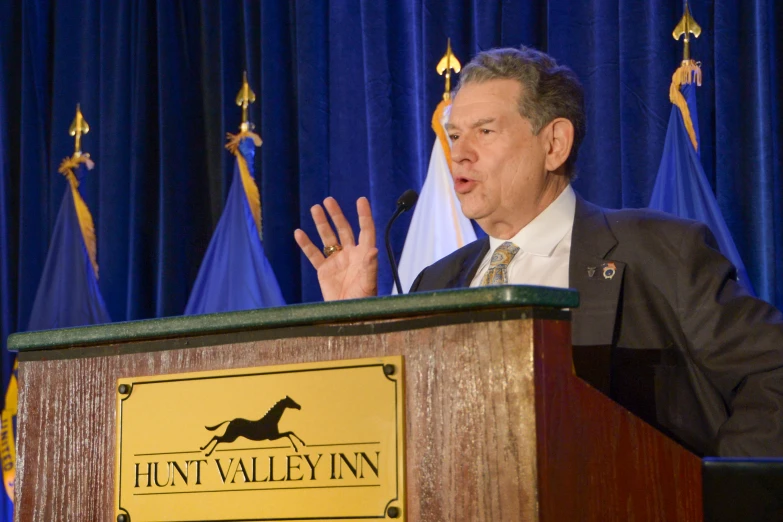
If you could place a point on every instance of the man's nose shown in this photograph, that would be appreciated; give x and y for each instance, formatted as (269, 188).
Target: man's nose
(462, 151)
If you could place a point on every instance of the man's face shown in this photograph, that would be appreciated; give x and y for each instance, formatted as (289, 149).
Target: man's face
(498, 164)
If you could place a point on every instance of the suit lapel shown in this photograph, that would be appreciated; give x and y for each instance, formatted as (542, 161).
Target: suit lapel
(596, 276)
(470, 265)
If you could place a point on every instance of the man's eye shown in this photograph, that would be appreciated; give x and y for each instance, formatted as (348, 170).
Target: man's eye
(485, 131)
(453, 137)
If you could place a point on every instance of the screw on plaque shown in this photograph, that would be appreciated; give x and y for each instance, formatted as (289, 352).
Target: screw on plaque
(388, 369)
(123, 517)
(393, 512)
(123, 389)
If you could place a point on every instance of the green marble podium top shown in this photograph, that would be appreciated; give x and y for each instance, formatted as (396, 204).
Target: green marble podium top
(378, 308)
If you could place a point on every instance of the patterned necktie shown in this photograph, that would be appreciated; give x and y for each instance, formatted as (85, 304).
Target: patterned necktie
(498, 265)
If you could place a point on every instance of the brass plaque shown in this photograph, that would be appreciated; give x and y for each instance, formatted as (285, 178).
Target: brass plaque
(320, 441)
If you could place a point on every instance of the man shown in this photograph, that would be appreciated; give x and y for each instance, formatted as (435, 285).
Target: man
(691, 352)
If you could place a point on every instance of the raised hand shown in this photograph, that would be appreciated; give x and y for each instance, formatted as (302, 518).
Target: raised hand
(351, 272)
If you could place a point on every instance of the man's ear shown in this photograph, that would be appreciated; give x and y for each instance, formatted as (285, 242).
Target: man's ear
(560, 139)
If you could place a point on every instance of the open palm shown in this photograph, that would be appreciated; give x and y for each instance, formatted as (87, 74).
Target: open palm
(351, 273)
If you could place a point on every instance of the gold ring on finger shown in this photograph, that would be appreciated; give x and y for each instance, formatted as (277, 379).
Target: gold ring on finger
(331, 249)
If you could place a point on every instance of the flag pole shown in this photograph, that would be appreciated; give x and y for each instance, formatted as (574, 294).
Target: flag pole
(244, 98)
(688, 72)
(78, 128)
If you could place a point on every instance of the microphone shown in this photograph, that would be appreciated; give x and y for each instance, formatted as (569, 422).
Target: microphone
(406, 202)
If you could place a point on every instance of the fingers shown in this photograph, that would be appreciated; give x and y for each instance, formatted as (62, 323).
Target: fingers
(343, 227)
(366, 223)
(322, 225)
(344, 230)
(312, 252)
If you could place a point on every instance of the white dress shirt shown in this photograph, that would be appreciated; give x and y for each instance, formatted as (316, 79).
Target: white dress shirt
(544, 247)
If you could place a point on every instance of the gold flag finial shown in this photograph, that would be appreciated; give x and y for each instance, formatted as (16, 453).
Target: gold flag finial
(245, 97)
(447, 64)
(78, 127)
(686, 26)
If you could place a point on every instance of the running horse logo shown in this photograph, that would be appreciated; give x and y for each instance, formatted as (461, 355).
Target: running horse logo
(264, 428)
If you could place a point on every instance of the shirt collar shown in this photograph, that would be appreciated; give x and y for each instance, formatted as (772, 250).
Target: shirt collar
(542, 235)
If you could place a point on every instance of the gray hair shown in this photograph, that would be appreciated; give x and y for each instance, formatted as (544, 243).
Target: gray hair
(549, 90)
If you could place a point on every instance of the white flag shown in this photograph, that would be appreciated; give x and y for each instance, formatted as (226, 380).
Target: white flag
(438, 226)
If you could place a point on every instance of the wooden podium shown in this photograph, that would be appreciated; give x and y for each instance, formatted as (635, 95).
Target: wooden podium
(498, 427)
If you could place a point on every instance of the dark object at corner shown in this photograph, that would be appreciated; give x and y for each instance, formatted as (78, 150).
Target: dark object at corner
(747, 490)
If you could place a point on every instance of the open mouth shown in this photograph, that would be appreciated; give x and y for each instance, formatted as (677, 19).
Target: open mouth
(463, 184)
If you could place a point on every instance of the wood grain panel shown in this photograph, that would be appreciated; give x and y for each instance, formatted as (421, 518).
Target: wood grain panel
(471, 437)
(597, 461)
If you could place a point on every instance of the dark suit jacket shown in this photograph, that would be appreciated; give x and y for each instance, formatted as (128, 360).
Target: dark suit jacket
(691, 352)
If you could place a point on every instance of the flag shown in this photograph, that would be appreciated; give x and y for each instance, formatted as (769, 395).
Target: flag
(438, 226)
(8, 445)
(68, 294)
(681, 187)
(235, 274)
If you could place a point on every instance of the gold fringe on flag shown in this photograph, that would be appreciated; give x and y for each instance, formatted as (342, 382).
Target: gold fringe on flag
(249, 184)
(444, 143)
(687, 73)
(86, 224)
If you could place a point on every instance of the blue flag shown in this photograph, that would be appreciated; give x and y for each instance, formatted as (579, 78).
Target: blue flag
(68, 294)
(681, 187)
(235, 274)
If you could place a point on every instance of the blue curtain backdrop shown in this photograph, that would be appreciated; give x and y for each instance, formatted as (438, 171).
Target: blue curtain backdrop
(346, 89)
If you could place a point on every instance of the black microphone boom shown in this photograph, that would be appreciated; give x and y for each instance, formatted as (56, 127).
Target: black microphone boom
(406, 202)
